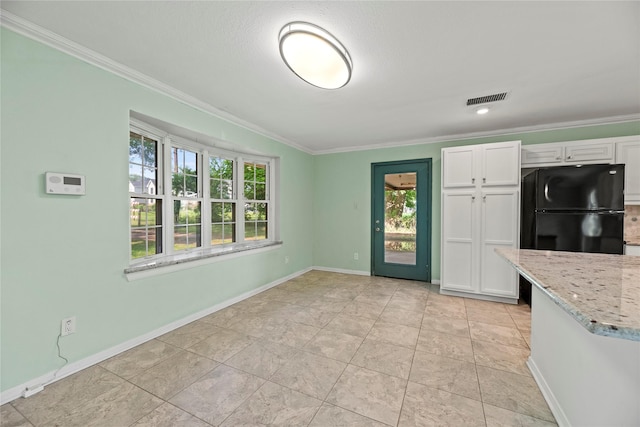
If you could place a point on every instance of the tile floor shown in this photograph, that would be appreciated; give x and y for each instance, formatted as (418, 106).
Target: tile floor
(324, 349)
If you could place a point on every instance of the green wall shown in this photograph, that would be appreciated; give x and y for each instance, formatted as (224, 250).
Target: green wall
(342, 192)
(64, 256)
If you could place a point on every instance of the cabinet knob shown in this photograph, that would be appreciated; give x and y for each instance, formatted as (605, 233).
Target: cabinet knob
(473, 198)
(558, 158)
(568, 157)
(484, 198)
(473, 180)
(484, 180)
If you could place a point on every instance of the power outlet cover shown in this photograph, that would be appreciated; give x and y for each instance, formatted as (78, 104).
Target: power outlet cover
(68, 326)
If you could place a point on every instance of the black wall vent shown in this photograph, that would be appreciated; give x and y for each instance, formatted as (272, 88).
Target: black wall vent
(487, 98)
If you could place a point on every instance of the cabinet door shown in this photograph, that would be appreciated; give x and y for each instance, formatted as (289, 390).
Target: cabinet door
(576, 153)
(458, 167)
(629, 154)
(534, 155)
(499, 229)
(458, 229)
(500, 164)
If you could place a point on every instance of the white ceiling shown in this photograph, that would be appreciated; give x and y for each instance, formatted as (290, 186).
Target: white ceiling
(415, 63)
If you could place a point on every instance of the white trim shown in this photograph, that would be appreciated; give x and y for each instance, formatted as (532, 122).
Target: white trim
(342, 270)
(46, 379)
(51, 39)
(204, 259)
(435, 282)
(486, 134)
(549, 397)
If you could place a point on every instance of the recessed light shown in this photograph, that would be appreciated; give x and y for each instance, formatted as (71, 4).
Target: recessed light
(482, 110)
(314, 55)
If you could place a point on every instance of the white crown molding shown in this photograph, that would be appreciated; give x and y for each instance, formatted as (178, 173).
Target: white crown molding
(51, 39)
(498, 132)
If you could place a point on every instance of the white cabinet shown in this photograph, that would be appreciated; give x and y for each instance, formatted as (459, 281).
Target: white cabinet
(480, 212)
(568, 153)
(459, 229)
(499, 229)
(589, 152)
(463, 167)
(494, 164)
(628, 153)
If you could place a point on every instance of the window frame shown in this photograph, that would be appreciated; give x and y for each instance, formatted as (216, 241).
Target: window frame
(166, 143)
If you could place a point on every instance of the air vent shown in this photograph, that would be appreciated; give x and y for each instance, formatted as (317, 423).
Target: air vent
(487, 98)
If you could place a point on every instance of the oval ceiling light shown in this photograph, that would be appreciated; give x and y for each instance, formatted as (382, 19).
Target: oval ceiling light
(314, 55)
(482, 110)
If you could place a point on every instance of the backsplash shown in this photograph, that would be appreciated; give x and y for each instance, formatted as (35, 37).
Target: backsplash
(632, 224)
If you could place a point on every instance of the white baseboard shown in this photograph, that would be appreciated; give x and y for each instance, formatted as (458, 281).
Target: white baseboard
(341, 270)
(435, 282)
(554, 405)
(71, 368)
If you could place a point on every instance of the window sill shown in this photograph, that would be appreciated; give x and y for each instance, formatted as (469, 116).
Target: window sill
(193, 259)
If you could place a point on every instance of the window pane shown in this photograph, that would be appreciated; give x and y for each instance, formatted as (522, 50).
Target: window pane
(184, 173)
(150, 151)
(220, 168)
(261, 230)
(249, 192)
(149, 180)
(190, 161)
(186, 212)
(217, 236)
(249, 230)
(216, 211)
(226, 189)
(229, 233)
(261, 211)
(186, 237)
(216, 189)
(229, 212)
(135, 148)
(145, 218)
(261, 192)
(135, 178)
(227, 169)
(249, 172)
(261, 173)
(250, 211)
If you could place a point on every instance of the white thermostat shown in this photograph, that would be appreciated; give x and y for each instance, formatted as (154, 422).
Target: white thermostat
(65, 183)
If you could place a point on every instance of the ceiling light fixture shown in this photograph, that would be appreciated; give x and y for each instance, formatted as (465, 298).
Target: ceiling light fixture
(482, 110)
(314, 55)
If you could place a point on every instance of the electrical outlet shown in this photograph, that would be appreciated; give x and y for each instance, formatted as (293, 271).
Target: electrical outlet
(68, 326)
(356, 256)
(286, 260)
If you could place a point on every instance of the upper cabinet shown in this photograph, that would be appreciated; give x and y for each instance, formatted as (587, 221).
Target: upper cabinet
(628, 153)
(568, 153)
(485, 165)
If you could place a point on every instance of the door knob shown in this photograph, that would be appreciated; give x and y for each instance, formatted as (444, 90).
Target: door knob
(377, 228)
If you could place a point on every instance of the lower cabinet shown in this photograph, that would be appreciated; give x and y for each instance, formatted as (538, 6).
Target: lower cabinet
(474, 224)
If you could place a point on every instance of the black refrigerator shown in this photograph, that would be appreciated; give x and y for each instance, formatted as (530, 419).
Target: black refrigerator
(572, 208)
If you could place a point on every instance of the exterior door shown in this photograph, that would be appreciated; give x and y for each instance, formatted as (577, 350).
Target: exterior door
(401, 219)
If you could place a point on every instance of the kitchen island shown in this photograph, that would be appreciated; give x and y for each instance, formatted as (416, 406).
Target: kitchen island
(585, 334)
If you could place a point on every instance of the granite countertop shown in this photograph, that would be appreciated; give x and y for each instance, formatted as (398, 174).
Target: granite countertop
(600, 291)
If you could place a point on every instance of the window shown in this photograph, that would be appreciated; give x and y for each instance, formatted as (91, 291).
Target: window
(223, 200)
(145, 206)
(210, 189)
(256, 203)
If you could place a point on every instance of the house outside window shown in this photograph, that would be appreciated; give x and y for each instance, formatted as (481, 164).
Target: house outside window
(208, 190)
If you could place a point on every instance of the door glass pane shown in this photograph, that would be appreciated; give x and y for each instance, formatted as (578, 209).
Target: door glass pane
(400, 218)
